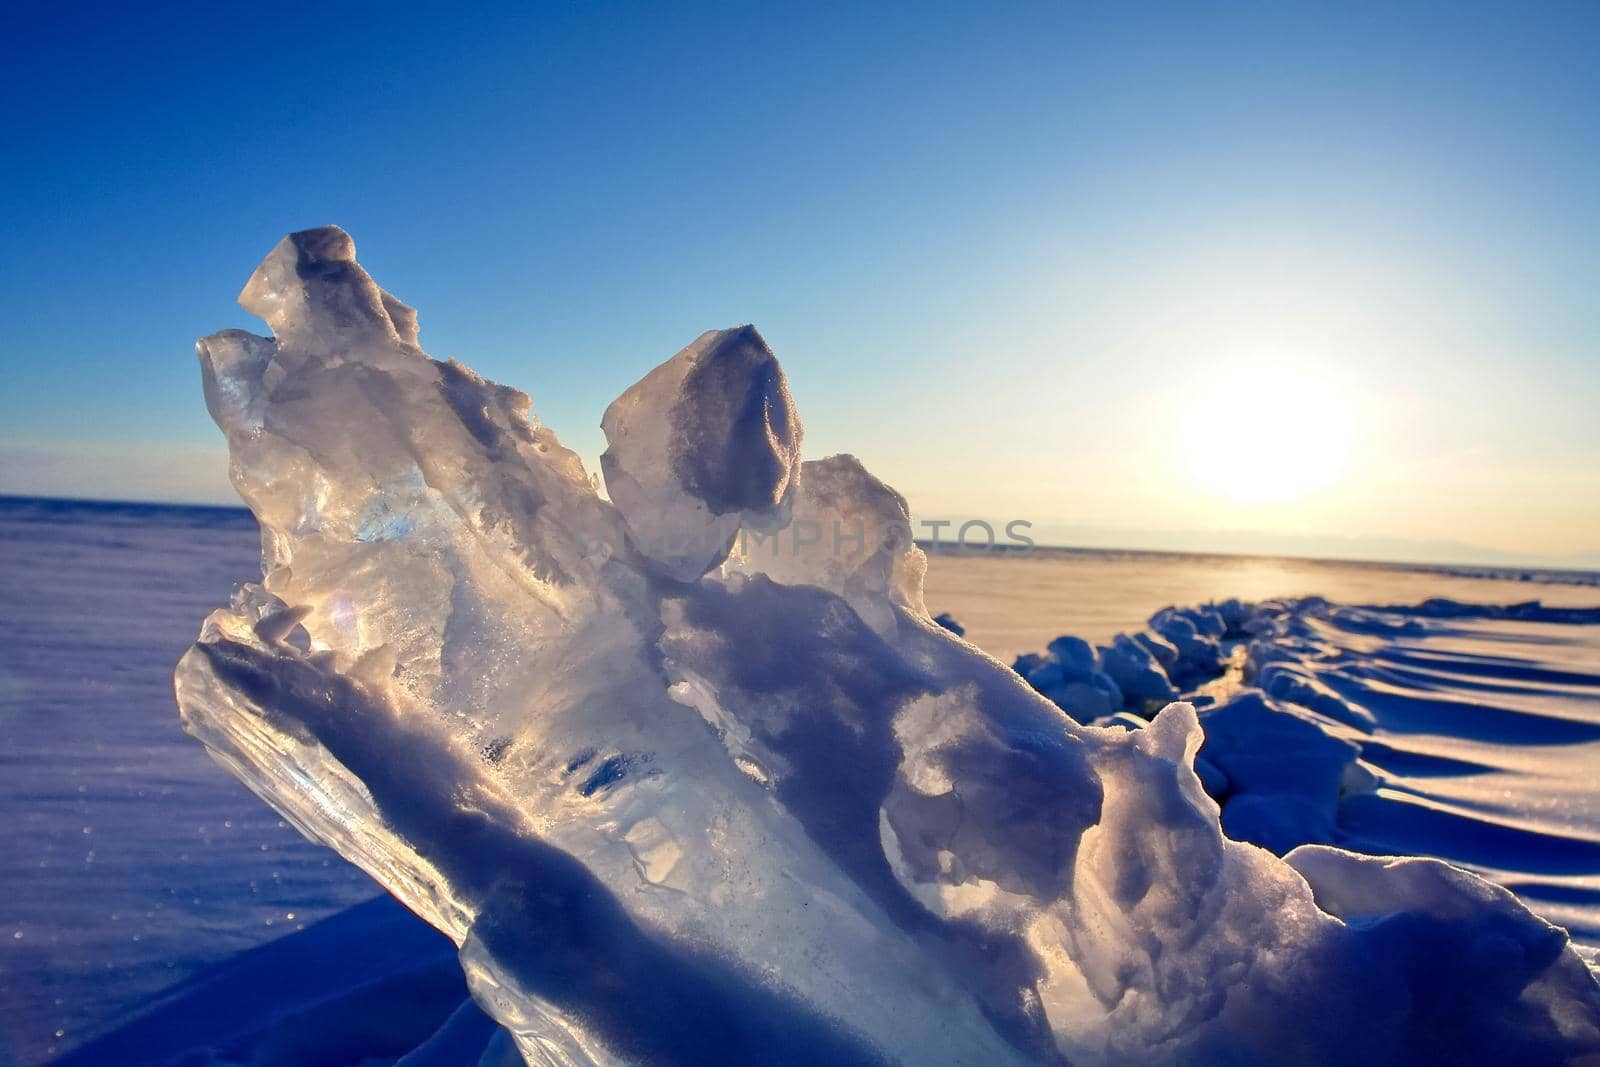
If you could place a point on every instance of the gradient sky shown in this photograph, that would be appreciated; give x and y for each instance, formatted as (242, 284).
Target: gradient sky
(1208, 276)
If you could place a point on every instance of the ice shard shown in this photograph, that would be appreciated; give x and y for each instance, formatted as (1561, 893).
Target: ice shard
(684, 789)
(705, 445)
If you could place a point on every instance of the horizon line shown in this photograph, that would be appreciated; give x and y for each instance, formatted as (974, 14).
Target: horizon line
(944, 548)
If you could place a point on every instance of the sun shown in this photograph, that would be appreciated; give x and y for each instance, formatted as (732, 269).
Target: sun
(1279, 434)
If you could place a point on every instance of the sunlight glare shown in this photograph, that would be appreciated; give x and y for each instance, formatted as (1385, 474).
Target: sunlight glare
(1293, 435)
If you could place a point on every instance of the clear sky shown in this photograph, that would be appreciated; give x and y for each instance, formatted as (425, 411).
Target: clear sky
(1316, 276)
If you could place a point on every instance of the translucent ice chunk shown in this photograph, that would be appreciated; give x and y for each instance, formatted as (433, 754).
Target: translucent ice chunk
(703, 444)
(764, 812)
(847, 533)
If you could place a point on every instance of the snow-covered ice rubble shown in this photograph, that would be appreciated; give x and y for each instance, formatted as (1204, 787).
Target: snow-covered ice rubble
(1468, 731)
(684, 794)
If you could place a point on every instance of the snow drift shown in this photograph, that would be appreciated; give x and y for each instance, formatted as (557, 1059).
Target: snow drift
(685, 796)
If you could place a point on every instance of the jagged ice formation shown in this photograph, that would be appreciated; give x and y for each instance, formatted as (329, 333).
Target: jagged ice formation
(684, 794)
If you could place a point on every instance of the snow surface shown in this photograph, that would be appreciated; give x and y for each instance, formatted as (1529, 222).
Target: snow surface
(1462, 731)
(674, 806)
(132, 864)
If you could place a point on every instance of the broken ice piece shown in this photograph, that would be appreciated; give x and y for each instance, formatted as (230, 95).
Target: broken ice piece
(706, 443)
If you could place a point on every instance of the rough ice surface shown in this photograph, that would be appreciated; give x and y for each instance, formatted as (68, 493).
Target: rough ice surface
(681, 797)
(1136, 672)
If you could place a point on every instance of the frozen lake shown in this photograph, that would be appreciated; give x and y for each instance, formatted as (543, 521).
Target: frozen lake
(134, 864)
(1011, 604)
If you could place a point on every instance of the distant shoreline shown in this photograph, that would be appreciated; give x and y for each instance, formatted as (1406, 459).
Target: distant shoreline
(1509, 572)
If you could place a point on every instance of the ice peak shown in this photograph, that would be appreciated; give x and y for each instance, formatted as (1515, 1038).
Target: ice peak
(704, 444)
(311, 291)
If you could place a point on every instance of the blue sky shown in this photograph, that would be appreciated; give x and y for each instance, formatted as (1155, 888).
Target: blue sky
(1026, 261)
